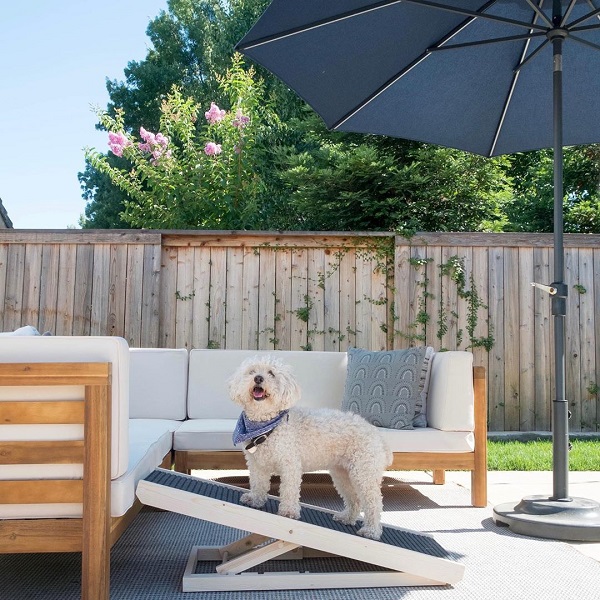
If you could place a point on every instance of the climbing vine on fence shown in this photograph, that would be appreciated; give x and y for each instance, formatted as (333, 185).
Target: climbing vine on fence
(452, 272)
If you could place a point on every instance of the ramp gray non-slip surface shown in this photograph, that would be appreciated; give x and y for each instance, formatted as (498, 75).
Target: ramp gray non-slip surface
(210, 489)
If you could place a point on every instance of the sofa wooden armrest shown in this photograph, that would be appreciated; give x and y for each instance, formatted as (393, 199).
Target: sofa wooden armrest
(94, 533)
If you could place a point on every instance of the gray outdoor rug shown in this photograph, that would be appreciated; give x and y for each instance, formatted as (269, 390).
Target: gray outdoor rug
(148, 562)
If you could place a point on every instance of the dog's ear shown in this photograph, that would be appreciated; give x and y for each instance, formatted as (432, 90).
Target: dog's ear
(289, 388)
(234, 384)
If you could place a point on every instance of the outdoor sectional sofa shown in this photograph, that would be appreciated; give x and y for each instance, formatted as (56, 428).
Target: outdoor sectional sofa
(83, 419)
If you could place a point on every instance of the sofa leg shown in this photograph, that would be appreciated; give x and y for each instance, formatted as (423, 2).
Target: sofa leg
(479, 488)
(439, 476)
(181, 463)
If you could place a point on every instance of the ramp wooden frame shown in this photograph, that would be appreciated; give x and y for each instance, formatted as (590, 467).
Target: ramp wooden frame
(274, 537)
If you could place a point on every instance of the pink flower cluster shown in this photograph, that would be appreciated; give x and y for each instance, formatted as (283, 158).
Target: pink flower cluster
(117, 142)
(215, 114)
(155, 144)
(240, 120)
(212, 149)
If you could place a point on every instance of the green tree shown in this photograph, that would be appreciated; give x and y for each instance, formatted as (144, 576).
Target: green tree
(351, 182)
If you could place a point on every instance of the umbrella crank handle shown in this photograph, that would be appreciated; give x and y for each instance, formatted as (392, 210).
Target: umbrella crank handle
(559, 292)
(546, 288)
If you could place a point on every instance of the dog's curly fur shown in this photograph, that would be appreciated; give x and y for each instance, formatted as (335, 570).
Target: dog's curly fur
(351, 449)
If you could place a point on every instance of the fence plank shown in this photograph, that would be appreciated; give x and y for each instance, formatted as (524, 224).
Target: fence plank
(134, 300)
(250, 299)
(267, 304)
(218, 297)
(332, 301)
(283, 291)
(168, 297)
(511, 340)
(184, 296)
(496, 370)
(201, 299)
(300, 302)
(587, 299)
(542, 354)
(82, 315)
(65, 301)
(526, 341)
(31, 285)
(151, 294)
(402, 269)
(316, 292)
(99, 324)
(573, 339)
(234, 302)
(347, 300)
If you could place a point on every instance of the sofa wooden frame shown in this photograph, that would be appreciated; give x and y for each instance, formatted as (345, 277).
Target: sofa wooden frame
(95, 533)
(436, 462)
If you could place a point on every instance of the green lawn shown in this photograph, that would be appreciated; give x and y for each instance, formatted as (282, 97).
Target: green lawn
(537, 456)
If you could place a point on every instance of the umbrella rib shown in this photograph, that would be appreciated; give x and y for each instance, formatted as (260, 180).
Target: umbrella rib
(539, 12)
(316, 24)
(585, 18)
(477, 13)
(584, 42)
(403, 72)
(567, 12)
(512, 38)
(524, 61)
(515, 78)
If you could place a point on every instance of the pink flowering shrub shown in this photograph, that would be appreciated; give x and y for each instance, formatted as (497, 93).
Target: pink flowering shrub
(190, 173)
(212, 149)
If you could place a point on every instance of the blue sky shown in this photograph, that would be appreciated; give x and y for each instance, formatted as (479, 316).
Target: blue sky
(54, 61)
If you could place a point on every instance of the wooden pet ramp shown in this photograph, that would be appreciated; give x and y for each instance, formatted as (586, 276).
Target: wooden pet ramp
(321, 552)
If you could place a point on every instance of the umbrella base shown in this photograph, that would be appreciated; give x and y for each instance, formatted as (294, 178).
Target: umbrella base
(575, 519)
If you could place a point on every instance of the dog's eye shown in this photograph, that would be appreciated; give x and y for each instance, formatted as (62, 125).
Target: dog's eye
(252, 372)
(271, 374)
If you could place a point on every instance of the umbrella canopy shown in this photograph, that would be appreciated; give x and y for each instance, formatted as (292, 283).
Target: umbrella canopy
(466, 74)
(481, 76)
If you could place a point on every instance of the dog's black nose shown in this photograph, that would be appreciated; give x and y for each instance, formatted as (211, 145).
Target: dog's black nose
(258, 379)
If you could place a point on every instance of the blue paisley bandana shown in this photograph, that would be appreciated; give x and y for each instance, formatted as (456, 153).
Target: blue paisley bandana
(246, 429)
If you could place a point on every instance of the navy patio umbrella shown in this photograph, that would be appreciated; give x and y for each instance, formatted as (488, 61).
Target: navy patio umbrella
(489, 77)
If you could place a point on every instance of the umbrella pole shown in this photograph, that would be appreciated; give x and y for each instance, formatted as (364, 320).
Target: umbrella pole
(560, 411)
(558, 516)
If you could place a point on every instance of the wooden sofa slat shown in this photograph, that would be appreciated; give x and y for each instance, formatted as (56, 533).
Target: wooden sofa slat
(69, 373)
(41, 453)
(41, 491)
(40, 535)
(54, 412)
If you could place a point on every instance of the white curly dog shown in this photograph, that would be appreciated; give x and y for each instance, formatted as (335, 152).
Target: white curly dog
(285, 441)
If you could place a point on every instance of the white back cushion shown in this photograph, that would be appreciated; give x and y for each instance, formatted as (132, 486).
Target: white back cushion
(450, 401)
(158, 383)
(36, 349)
(321, 376)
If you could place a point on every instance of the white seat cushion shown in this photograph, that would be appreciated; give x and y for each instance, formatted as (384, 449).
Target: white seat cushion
(158, 383)
(150, 440)
(205, 434)
(450, 400)
(426, 439)
(321, 375)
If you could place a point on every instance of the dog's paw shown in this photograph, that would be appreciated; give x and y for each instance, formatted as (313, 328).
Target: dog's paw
(252, 500)
(373, 533)
(292, 512)
(344, 517)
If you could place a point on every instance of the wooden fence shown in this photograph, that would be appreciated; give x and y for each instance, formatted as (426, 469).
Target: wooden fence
(323, 292)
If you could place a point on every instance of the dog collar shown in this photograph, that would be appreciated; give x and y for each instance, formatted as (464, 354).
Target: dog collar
(247, 429)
